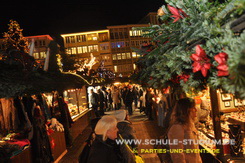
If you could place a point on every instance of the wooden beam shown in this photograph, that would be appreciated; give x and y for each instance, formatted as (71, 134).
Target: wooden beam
(216, 122)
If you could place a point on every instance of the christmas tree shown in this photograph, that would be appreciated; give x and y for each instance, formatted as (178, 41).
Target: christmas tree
(14, 39)
(16, 48)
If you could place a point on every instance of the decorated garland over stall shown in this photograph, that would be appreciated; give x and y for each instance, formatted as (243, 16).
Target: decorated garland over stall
(199, 44)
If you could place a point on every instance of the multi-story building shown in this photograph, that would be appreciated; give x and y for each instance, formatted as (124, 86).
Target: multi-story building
(81, 45)
(41, 43)
(113, 46)
(122, 39)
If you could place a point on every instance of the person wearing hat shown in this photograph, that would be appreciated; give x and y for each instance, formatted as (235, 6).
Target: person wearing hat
(126, 130)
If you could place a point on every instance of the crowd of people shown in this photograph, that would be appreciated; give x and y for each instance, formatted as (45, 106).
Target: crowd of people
(116, 97)
(109, 128)
(174, 112)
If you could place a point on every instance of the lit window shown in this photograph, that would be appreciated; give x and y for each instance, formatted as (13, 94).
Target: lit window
(42, 55)
(79, 50)
(123, 55)
(134, 66)
(93, 48)
(128, 55)
(134, 55)
(92, 37)
(68, 51)
(130, 33)
(73, 50)
(114, 57)
(82, 49)
(36, 55)
(119, 57)
(90, 48)
(115, 68)
(96, 49)
(85, 49)
(135, 33)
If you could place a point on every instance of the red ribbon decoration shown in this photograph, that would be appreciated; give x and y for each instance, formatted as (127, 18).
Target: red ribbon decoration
(201, 61)
(221, 58)
(177, 13)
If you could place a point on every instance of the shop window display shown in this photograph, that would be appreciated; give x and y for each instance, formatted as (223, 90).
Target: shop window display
(76, 100)
(231, 116)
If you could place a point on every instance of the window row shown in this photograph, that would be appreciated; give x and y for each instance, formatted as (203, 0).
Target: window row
(82, 49)
(39, 43)
(40, 55)
(119, 35)
(123, 68)
(137, 33)
(120, 56)
(122, 44)
(106, 58)
(102, 37)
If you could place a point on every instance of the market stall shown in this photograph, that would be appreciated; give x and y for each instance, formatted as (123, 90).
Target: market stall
(79, 110)
(197, 47)
(231, 127)
(34, 118)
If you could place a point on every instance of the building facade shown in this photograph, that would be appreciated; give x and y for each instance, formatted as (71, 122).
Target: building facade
(112, 46)
(122, 39)
(41, 43)
(81, 46)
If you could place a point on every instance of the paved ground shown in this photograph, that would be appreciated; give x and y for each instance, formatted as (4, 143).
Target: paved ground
(144, 130)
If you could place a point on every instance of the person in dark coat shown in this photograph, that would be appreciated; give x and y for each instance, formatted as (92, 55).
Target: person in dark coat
(129, 97)
(101, 101)
(94, 101)
(125, 126)
(149, 103)
(110, 101)
(127, 132)
(104, 148)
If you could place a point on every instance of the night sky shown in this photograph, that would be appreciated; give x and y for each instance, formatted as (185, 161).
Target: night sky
(55, 18)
